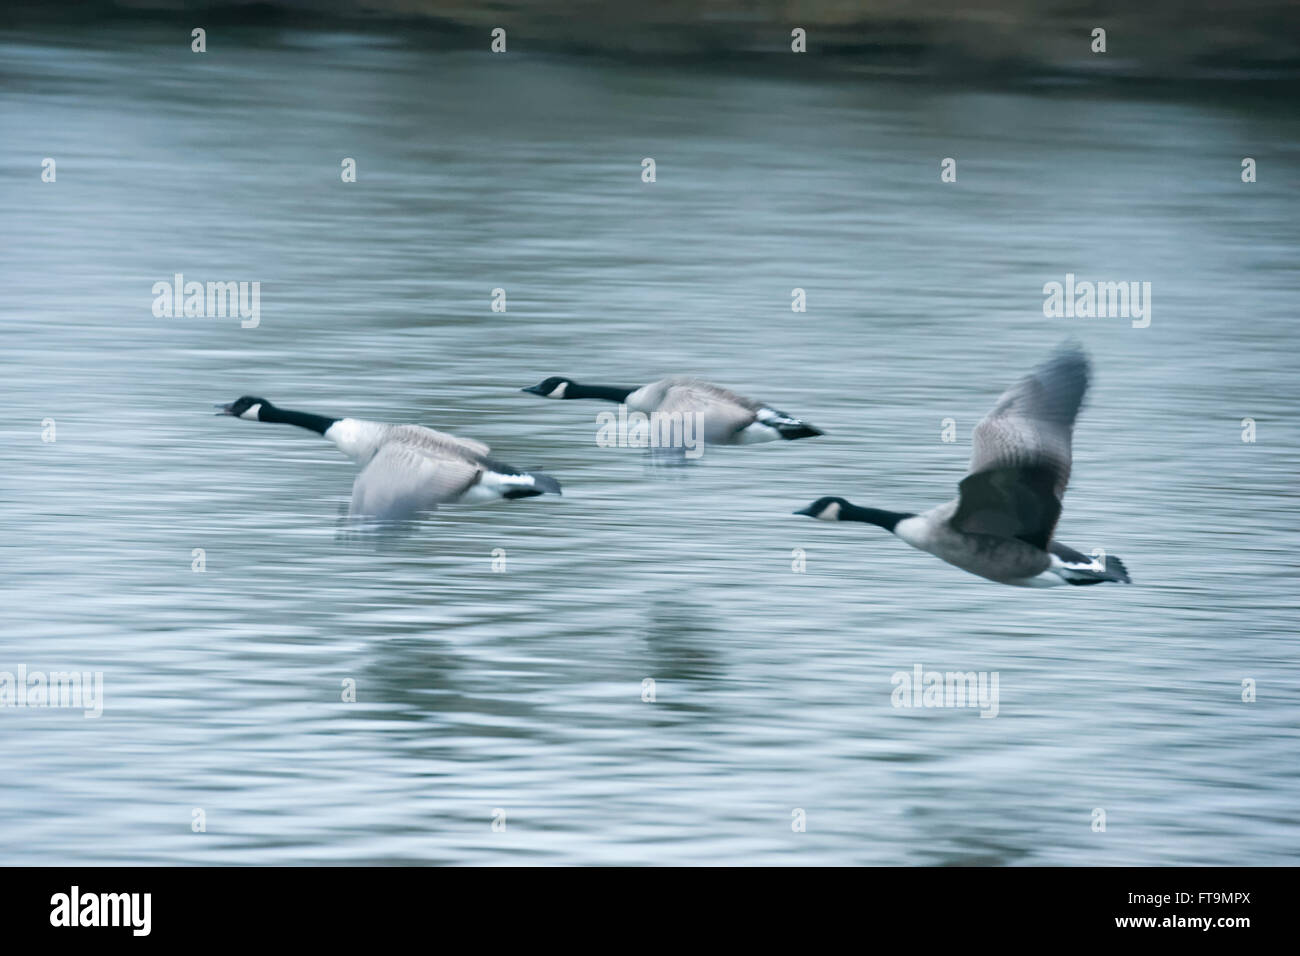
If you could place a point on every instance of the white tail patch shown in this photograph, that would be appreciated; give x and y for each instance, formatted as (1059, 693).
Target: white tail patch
(494, 486)
(1078, 568)
(757, 432)
(1087, 572)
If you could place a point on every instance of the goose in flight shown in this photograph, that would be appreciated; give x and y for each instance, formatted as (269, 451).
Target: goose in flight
(1000, 525)
(728, 418)
(405, 468)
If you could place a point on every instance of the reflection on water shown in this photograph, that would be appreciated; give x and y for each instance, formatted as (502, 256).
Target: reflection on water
(498, 653)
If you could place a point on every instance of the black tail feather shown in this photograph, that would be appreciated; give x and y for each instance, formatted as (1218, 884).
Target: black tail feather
(514, 493)
(545, 484)
(792, 430)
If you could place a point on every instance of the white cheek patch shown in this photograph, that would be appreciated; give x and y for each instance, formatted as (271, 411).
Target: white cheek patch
(251, 412)
(559, 390)
(831, 512)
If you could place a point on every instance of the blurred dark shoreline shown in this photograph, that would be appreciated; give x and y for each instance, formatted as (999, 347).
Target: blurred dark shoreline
(1201, 41)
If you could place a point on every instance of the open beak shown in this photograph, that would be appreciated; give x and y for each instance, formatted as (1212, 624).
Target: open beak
(224, 409)
(533, 390)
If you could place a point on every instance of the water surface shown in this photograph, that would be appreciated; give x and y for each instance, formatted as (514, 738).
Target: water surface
(521, 690)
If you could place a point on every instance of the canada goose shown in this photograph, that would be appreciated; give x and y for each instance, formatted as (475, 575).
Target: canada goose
(405, 468)
(1000, 525)
(728, 418)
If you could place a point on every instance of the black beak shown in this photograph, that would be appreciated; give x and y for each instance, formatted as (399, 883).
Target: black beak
(224, 409)
(806, 511)
(533, 389)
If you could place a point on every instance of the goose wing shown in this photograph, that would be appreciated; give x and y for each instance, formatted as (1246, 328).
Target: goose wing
(725, 412)
(438, 442)
(405, 477)
(1020, 462)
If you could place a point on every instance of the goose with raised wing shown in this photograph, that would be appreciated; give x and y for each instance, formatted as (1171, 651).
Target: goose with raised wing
(1001, 524)
(405, 469)
(728, 418)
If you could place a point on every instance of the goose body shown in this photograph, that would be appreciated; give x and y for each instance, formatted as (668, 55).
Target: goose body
(728, 418)
(1000, 526)
(406, 469)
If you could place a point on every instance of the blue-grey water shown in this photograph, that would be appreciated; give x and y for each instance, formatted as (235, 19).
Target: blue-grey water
(516, 695)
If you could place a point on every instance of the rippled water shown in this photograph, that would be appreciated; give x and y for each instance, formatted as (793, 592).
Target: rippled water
(521, 691)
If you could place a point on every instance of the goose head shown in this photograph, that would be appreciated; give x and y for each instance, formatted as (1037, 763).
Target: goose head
(837, 509)
(246, 406)
(827, 508)
(554, 387)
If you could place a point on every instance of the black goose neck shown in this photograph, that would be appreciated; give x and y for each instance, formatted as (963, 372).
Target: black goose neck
(287, 416)
(608, 393)
(877, 516)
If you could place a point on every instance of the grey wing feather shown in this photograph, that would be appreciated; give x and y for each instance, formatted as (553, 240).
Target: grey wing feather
(1020, 462)
(708, 392)
(725, 412)
(1009, 503)
(404, 478)
(418, 436)
(1032, 423)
